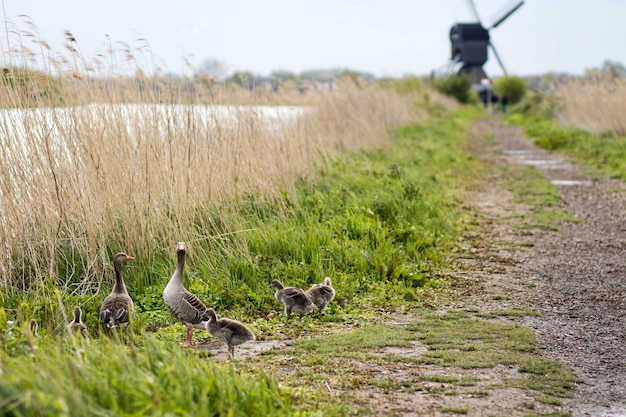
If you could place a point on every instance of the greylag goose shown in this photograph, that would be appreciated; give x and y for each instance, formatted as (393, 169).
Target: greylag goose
(183, 305)
(76, 325)
(232, 332)
(322, 294)
(117, 306)
(294, 299)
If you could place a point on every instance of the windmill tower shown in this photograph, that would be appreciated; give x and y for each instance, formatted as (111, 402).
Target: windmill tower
(471, 42)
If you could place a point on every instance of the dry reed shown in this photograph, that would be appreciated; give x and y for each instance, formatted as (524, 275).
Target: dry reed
(94, 162)
(596, 104)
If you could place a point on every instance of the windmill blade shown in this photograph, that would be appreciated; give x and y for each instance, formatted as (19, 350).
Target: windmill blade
(505, 15)
(474, 10)
(495, 53)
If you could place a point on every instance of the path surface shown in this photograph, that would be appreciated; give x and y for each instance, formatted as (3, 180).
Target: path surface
(576, 277)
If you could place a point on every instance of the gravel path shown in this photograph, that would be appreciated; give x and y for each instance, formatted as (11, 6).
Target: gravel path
(576, 277)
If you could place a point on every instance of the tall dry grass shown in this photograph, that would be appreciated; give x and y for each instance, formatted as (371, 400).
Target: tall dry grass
(94, 162)
(596, 104)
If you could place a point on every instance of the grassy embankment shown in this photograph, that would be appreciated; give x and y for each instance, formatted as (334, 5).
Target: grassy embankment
(583, 119)
(381, 222)
(82, 182)
(326, 193)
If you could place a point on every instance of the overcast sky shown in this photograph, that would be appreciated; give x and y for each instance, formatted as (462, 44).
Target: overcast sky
(382, 37)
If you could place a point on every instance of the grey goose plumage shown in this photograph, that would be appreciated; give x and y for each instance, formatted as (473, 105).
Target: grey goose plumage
(294, 299)
(117, 307)
(183, 305)
(232, 332)
(322, 294)
(77, 326)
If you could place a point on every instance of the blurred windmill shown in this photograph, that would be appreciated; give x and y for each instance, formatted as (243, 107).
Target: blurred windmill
(471, 41)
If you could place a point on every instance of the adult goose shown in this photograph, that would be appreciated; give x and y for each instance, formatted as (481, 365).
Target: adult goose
(76, 326)
(118, 306)
(294, 299)
(322, 294)
(232, 332)
(184, 305)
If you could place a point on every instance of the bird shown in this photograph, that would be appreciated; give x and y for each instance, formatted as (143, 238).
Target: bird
(117, 305)
(294, 299)
(184, 305)
(231, 331)
(77, 326)
(33, 327)
(322, 294)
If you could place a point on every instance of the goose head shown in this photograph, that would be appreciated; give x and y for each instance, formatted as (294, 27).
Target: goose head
(77, 314)
(121, 258)
(277, 284)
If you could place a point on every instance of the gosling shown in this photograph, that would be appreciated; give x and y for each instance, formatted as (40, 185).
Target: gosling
(294, 299)
(33, 327)
(322, 294)
(76, 326)
(232, 332)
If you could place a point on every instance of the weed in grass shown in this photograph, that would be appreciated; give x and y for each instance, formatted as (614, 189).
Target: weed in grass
(357, 340)
(511, 313)
(462, 381)
(454, 410)
(500, 297)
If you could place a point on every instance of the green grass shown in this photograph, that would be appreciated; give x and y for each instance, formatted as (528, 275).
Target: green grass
(456, 340)
(600, 153)
(454, 410)
(459, 342)
(144, 376)
(384, 224)
(531, 188)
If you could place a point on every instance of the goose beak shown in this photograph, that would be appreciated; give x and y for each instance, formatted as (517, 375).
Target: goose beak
(129, 258)
(180, 246)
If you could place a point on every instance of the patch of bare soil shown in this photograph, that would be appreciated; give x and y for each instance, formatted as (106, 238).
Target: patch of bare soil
(575, 277)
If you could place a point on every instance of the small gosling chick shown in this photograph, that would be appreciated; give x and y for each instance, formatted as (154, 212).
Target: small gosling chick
(34, 328)
(232, 332)
(294, 299)
(322, 294)
(76, 325)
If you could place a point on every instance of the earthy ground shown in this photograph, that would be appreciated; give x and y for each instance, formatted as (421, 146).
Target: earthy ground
(574, 277)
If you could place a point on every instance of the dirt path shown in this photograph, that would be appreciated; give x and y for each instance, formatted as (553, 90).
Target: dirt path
(576, 277)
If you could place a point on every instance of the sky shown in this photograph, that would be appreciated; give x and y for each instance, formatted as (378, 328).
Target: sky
(382, 37)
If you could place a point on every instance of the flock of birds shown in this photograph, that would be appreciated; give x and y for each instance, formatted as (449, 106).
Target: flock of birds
(117, 308)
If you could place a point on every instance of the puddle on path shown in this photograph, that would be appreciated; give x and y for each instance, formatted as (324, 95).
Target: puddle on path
(571, 182)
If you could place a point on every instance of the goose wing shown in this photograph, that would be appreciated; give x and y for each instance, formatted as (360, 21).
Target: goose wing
(116, 310)
(293, 293)
(187, 307)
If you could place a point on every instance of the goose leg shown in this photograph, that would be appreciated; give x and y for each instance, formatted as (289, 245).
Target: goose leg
(188, 342)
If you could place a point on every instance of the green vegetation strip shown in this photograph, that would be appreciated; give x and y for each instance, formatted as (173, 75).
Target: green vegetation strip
(383, 224)
(601, 153)
(386, 225)
(457, 340)
(532, 189)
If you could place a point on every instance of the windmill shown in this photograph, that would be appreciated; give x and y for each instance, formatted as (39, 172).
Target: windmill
(471, 41)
